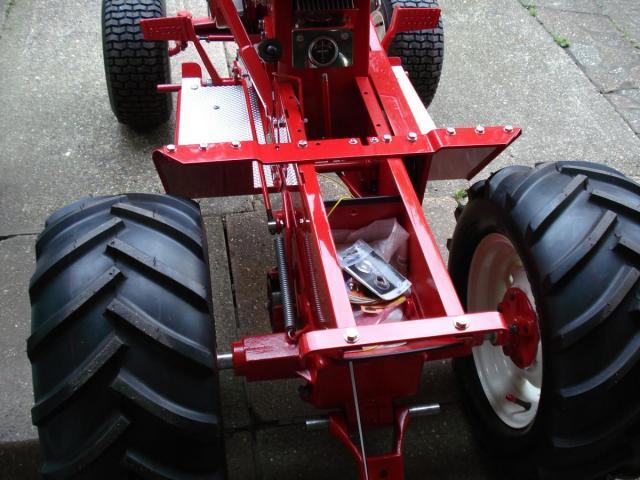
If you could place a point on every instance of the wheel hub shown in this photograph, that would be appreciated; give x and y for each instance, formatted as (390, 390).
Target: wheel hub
(524, 335)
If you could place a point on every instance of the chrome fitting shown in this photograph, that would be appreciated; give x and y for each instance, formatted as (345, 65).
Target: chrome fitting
(351, 335)
(461, 323)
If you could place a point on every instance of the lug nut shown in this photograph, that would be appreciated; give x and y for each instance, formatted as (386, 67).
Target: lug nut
(508, 128)
(353, 141)
(204, 146)
(302, 144)
(374, 140)
(386, 138)
(412, 137)
(480, 130)
(451, 131)
(461, 323)
(351, 335)
(171, 147)
(235, 144)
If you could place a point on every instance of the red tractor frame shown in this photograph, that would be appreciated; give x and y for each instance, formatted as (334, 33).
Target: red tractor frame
(538, 307)
(367, 125)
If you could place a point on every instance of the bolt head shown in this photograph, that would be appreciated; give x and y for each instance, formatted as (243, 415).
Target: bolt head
(386, 138)
(508, 128)
(235, 144)
(351, 335)
(461, 323)
(353, 141)
(171, 147)
(195, 86)
(302, 144)
(204, 146)
(451, 131)
(480, 130)
(412, 137)
(374, 140)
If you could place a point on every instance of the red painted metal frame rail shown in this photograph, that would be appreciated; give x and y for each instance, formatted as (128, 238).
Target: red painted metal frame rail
(384, 161)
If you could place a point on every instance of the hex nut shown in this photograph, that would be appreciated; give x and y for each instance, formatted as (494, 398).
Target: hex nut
(171, 147)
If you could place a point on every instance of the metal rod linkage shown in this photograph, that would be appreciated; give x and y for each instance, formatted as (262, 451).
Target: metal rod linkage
(285, 287)
(224, 361)
(359, 420)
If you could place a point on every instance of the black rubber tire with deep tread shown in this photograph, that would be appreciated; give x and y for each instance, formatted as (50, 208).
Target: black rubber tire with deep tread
(133, 67)
(422, 52)
(576, 226)
(123, 343)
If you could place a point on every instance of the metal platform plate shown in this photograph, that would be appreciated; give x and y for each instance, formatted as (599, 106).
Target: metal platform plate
(215, 114)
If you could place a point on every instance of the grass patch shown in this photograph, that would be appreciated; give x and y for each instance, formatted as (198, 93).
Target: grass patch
(561, 41)
(460, 196)
(7, 8)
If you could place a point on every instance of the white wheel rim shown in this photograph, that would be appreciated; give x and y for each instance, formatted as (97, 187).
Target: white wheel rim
(495, 267)
(378, 22)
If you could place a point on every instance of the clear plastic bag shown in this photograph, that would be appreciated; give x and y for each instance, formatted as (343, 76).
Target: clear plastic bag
(386, 236)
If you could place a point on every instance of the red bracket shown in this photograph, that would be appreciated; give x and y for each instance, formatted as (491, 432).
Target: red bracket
(388, 466)
(179, 29)
(409, 20)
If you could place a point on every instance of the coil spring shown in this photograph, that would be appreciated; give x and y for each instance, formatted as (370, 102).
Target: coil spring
(315, 291)
(285, 286)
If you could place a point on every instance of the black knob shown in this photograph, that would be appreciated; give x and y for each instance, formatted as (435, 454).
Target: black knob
(270, 50)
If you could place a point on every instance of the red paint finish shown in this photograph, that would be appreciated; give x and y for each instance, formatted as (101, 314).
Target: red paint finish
(354, 122)
(524, 334)
(409, 20)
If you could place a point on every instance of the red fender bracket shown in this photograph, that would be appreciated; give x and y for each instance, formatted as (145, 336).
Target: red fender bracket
(409, 20)
(179, 29)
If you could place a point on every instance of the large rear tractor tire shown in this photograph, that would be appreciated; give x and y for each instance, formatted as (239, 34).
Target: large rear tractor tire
(123, 345)
(567, 236)
(134, 67)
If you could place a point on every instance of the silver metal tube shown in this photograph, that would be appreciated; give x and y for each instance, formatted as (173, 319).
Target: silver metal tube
(224, 361)
(356, 403)
(424, 410)
(316, 424)
(285, 287)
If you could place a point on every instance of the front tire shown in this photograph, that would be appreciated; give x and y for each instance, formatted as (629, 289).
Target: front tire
(576, 228)
(123, 344)
(421, 52)
(134, 67)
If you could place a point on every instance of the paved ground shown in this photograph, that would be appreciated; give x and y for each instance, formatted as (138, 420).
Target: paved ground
(603, 38)
(59, 142)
